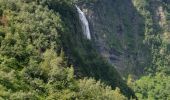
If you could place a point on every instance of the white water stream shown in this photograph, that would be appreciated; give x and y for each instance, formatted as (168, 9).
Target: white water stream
(85, 23)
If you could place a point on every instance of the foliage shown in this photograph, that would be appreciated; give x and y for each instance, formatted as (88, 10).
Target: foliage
(153, 88)
(154, 33)
(41, 39)
(89, 89)
(156, 85)
(32, 63)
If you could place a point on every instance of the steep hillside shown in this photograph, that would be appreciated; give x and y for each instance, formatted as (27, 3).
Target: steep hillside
(82, 53)
(133, 35)
(156, 14)
(39, 41)
(45, 55)
(118, 32)
(120, 29)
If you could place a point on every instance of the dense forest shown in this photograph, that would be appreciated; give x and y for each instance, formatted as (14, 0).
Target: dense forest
(44, 55)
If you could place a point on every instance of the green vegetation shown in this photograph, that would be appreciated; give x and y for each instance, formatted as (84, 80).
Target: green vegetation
(152, 87)
(154, 33)
(51, 80)
(44, 56)
(156, 85)
(34, 62)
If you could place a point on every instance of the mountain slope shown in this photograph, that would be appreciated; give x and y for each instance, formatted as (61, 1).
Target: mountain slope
(38, 41)
(44, 54)
(118, 33)
(121, 28)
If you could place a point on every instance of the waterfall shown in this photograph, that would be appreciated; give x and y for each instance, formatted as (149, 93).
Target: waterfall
(85, 23)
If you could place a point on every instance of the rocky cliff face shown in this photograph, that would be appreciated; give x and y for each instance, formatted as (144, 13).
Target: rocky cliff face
(118, 32)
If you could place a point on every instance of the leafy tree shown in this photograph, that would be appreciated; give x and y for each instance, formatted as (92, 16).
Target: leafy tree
(153, 87)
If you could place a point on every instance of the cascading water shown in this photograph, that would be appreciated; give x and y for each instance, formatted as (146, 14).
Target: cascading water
(85, 23)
